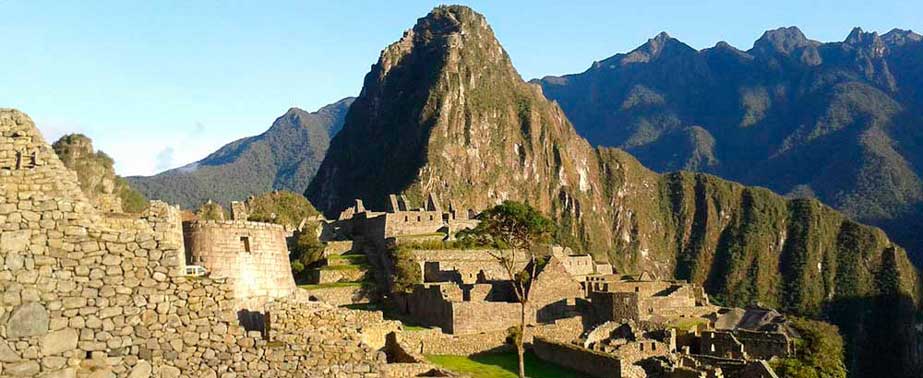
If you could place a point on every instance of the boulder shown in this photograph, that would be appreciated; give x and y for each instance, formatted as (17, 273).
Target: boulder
(30, 319)
(21, 369)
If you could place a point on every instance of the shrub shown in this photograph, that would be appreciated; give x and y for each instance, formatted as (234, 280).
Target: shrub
(280, 207)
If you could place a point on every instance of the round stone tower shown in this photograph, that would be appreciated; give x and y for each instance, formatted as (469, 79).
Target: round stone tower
(253, 254)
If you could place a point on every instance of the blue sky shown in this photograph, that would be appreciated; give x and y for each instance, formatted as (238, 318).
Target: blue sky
(158, 84)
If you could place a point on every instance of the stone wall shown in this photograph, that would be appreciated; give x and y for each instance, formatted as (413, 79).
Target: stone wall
(84, 296)
(463, 265)
(764, 345)
(573, 357)
(721, 344)
(254, 254)
(433, 341)
(340, 295)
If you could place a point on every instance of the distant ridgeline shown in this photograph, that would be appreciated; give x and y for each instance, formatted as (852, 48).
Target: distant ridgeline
(836, 121)
(443, 111)
(284, 157)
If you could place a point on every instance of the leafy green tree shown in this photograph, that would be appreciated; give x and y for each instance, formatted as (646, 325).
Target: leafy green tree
(306, 249)
(406, 271)
(516, 227)
(819, 352)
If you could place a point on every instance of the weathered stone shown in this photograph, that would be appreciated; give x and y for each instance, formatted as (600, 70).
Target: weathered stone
(6, 353)
(169, 372)
(22, 369)
(59, 341)
(63, 373)
(14, 241)
(30, 319)
(141, 370)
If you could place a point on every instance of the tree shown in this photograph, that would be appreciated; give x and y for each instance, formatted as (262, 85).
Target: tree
(211, 211)
(514, 227)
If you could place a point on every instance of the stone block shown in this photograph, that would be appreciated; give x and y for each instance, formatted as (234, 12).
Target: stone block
(142, 369)
(30, 319)
(14, 241)
(59, 341)
(21, 369)
(63, 373)
(6, 353)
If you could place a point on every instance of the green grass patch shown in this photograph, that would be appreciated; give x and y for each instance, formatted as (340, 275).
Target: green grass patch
(330, 285)
(344, 267)
(501, 365)
(353, 259)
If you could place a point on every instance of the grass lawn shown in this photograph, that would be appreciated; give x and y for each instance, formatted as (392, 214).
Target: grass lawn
(330, 285)
(501, 365)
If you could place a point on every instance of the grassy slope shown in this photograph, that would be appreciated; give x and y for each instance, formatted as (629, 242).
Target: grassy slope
(500, 365)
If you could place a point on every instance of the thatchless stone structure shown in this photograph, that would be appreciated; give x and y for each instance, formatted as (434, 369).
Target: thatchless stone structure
(83, 294)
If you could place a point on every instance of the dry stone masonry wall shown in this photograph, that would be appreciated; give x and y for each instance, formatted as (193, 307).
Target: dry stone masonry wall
(83, 295)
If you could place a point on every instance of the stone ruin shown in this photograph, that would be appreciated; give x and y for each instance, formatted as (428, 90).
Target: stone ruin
(86, 294)
(398, 219)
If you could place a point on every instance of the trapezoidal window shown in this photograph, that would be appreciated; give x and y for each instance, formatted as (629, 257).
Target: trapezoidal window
(245, 243)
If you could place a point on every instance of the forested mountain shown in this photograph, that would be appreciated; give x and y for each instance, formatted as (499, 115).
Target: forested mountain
(284, 157)
(841, 121)
(449, 115)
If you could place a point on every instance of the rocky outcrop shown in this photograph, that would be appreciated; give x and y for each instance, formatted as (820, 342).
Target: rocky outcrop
(107, 191)
(444, 112)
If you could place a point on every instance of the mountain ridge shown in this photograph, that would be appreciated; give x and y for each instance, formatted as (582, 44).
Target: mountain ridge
(832, 120)
(285, 156)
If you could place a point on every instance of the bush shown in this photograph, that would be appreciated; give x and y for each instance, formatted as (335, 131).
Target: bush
(406, 271)
(306, 248)
(819, 352)
(280, 207)
(211, 211)
(297, 267)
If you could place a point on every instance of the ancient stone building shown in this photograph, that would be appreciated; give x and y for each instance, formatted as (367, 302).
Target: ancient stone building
(460, 307)
(253, 254)
(644, 298)
(399, 219)
(85, 294)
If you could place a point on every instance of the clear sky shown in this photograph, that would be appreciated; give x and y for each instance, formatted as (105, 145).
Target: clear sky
(158, 84)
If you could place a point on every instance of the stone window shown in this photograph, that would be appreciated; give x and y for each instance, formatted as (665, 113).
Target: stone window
(406, 218)
(245, 243)
(418, 218)
(713, 348)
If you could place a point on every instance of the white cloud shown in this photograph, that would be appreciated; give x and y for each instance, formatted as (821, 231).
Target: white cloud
(164, 159)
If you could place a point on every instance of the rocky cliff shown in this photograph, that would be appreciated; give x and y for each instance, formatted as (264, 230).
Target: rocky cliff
(443, 111)
(837, 121)
(284, 157)
(107, 191)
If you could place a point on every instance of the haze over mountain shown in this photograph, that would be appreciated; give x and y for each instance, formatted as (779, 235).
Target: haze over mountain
(443, 111)
(839, 121)
(286, 156)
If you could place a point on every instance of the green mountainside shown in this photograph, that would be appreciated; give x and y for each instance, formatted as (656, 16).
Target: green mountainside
(97, 178)
(840, 122)
(284, 157)
(449, 115)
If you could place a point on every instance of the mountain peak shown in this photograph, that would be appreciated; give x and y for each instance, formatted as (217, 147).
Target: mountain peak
(858, 36)
(899, 37)
(784, 40)
(661, 45)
